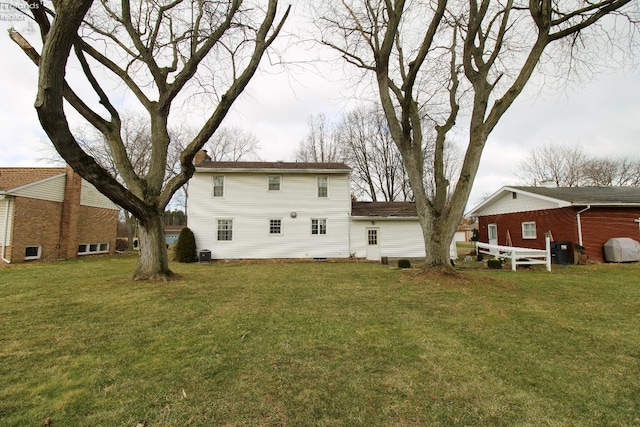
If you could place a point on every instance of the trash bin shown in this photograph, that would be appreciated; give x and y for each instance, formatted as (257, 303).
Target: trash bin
(560, 253)
(204, 255)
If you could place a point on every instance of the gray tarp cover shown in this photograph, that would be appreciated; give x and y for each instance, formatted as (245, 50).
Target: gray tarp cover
(621, 249)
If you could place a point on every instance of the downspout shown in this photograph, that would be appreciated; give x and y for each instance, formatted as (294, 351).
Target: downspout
(6, 228)
(580, 224)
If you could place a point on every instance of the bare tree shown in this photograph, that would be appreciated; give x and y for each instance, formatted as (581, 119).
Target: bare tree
(562, 165)
(320, 145)
(377, 171)
(156, 51)
(430, 61)
(232, 144)
(570, 166)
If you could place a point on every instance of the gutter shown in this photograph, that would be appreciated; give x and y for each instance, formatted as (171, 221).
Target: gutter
(580, 224)
(6, 228)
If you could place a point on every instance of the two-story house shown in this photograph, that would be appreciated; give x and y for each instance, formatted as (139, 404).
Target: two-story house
(242, 210)
(52, 213)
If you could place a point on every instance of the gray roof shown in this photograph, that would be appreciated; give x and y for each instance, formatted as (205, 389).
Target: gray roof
(384, 209)
(280, 166)
(588, 195)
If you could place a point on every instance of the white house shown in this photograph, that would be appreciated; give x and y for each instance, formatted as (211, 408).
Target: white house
(241, 210)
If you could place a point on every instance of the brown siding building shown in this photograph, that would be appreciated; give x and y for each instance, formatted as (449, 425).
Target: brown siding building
(50, 214)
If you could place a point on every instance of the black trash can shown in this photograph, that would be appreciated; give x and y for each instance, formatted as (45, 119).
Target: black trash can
(204, 255)
(560, 253)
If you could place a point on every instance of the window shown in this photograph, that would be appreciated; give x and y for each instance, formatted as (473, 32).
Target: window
(275, 226)
(323, 186)
(274, 183)
(32, 252)
(318, 226)
(93, 248)
(225, 229)
(529, 230)
(372, 236)
(218, 186)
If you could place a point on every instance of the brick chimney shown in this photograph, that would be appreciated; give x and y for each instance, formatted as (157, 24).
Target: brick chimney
(69, 227)
(201, 157)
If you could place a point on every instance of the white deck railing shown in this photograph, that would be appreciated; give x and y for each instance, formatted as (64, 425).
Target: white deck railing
(518, 256)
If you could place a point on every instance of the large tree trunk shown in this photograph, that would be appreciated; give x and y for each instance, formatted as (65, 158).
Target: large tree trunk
(153, 262)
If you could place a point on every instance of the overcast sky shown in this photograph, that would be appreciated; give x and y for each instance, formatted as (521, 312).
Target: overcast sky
(602, 115)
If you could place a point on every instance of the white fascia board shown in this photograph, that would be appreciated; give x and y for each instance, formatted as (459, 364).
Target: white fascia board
(384, 218)
(274, 171)
(507, 189)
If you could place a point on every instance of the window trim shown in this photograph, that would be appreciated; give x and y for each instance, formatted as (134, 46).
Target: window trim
(213, 190)
(97, 246)
(326, 179)
(318, 229)
(218, 230)
(30, 258)
(279, 233)
(279, 183)
(527, 235)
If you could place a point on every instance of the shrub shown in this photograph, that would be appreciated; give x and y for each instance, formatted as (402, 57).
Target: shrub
(185, 250)
(404, 263)
(494, 263)
(480, 256)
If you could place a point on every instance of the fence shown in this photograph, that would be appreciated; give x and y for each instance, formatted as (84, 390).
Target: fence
(518, 256)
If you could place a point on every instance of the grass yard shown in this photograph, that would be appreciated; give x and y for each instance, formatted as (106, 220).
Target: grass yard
(323, 344)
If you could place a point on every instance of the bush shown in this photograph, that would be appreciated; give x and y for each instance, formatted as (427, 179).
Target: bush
(404, 263)
(494, 263)
(185, 250)
(480, 257)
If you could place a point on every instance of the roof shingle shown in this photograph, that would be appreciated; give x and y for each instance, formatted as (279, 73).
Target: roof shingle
(11, 178)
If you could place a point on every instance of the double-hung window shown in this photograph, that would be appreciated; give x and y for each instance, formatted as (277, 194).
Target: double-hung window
(323, 186)
(225, 229)
(218, 186)
(529, 230)
(319, 226)
(274, 183)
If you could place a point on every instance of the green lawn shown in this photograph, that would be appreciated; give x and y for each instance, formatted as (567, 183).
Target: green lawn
(327, 344)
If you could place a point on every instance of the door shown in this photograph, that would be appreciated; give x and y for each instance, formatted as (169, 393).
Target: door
(492, 230)
(373, 244)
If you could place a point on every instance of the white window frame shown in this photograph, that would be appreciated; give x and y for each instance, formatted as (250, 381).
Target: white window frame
(279, 177)
(229, 230)
(38, 256)
(326, 187)
(527, 232)
(319, 226)
(213, 191)
(271, 227)
(93, 248)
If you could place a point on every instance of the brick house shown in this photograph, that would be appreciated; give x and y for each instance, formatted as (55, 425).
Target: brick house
(52, 213)
(582, 216)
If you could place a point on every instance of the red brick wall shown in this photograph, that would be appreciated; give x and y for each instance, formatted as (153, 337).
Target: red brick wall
(70, 215)
(35, 223)
(598, 226)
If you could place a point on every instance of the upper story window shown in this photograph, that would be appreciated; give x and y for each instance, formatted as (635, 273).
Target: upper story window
(529, 230)
(274, 183)
(323, 186)
(218, 186)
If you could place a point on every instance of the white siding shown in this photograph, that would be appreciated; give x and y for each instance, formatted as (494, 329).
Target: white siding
(249, 203)
(397, 238)
(6, 220)
(51, 189)
(522, 203)
(90, 196)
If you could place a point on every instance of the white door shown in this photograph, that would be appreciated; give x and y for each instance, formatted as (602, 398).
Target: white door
(373, 244)
(492, 230)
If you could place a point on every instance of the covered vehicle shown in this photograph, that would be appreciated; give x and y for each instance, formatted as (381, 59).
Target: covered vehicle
(622, 249)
